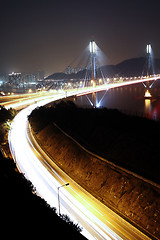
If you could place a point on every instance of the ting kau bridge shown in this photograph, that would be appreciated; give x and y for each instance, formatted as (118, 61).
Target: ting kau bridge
(98, 221)
(95, 80)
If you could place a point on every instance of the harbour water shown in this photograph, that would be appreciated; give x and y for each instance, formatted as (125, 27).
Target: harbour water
(128, 99)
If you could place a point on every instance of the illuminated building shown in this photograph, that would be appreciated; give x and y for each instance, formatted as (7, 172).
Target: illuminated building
(14, 78)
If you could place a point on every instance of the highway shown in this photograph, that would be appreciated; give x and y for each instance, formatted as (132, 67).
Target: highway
(23, 100)
(98, 221)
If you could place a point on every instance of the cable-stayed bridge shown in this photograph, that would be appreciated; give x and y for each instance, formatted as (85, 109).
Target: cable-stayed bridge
(92, 78)
(119, 83)
(98, 221)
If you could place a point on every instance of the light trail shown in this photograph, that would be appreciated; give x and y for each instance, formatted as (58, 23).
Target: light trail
(29, 99)
(98, 221)
(41, 171)
(108, 86)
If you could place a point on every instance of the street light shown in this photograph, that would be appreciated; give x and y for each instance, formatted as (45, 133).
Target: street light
(59, 198)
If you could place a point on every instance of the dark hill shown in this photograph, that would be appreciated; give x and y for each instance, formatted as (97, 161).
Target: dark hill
(131, 67)
(128, 68)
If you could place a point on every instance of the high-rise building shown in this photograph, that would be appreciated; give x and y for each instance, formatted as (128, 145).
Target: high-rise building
(15, 78)
(68, 70)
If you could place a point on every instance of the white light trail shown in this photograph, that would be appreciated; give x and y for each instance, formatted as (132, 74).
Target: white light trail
(46, 180)
(103, 87)
(98, 221)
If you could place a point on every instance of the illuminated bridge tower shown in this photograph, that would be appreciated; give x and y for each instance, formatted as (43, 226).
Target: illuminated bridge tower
(149, 65)
(92, 47)
(149, 50)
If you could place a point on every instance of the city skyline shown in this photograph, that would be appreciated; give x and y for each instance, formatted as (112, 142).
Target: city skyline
(49, 35)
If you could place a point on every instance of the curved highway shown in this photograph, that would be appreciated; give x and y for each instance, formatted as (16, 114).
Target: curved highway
(98, 221)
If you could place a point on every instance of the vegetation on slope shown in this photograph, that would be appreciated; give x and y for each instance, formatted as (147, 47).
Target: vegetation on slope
(125, 193)
(131, 142)
(6, 116)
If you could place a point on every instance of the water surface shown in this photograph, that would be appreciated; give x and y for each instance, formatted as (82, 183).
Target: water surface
(129, 99)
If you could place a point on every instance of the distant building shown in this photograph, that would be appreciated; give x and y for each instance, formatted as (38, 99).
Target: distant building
(3, 78)
(39, 75)
(29, 78)
(74, 70)
(68, 70)
(14, 78)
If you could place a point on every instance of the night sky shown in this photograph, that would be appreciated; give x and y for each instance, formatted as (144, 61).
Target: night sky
(49, 35)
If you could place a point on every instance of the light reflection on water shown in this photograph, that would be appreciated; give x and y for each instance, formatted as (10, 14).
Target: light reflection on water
(148, 105)
(128, 99)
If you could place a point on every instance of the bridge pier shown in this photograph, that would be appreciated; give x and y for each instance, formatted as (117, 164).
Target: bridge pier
(94, 99)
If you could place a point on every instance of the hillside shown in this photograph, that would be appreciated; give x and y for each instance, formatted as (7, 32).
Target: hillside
(128, 141)
(132, 197)
(128, 68)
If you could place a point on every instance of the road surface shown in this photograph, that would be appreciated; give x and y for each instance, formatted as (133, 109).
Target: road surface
(98, 221)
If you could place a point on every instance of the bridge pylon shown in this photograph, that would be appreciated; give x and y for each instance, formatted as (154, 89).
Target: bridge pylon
(92, 47)
(93, 59)
(149, 65)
